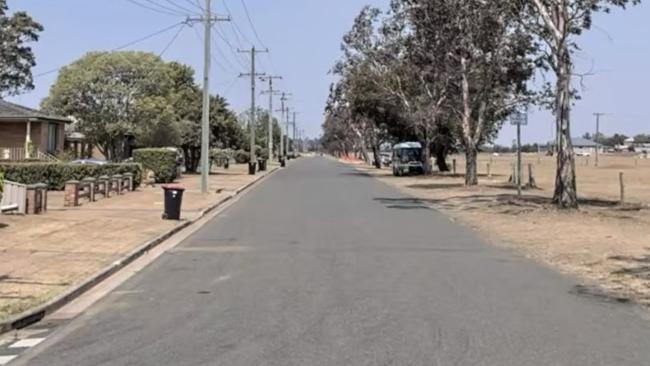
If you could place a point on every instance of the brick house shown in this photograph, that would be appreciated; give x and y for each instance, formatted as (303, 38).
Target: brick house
(19, 125)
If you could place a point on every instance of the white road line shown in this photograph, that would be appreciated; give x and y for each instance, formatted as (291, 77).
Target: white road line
(6, 359)
(27, 343)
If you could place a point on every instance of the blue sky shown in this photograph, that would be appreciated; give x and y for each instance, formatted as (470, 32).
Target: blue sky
(304, 39)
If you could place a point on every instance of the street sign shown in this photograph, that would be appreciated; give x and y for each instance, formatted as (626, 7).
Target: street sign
(519, 118)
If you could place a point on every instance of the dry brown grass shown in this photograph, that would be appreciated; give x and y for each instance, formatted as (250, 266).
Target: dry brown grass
(604, 242)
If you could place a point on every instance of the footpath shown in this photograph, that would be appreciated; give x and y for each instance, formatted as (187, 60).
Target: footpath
(50, 258)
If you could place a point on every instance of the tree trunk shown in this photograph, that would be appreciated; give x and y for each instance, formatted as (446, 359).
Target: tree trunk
(441, 158)
(566, 194)
(376, 155)
(426, 155)
(471, 176)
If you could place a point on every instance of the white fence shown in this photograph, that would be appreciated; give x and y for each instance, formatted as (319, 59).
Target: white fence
(14, 196)
(19, 153)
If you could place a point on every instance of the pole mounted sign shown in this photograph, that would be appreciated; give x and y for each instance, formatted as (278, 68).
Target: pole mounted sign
(519, 118)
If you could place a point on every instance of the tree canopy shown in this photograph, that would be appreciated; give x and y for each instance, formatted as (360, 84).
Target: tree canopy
(16, 57)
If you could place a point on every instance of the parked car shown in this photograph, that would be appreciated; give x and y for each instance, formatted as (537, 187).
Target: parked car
(583, 153)
(91, 161)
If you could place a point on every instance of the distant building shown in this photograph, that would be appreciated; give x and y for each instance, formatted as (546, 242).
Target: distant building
(585, 147)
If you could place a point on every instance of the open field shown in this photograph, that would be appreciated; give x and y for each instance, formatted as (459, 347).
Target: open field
(600, 182)
(604, 244)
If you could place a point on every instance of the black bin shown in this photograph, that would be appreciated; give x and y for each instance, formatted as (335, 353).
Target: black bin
(262, 165)
(173, 201)
(283, 162)
(252, 168)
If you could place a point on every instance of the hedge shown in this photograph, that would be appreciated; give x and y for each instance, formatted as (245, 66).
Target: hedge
(162, 162)
(56, 174)
(242, 157)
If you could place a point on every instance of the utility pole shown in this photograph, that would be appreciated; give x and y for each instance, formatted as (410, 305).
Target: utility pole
(285, 111)
(293, 125)
(251, 164)
(271, 93)
(598, 115)
(207, 19)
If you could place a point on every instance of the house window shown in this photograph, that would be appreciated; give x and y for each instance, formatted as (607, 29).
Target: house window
(52, 137)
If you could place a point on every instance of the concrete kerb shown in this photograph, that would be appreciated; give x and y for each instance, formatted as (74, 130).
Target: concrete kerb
(35, 315)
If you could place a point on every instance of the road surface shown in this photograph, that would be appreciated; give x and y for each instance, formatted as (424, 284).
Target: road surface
(321, 265)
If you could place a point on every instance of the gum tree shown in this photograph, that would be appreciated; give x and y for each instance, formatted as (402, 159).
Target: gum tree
(557, 24)
(16, 57)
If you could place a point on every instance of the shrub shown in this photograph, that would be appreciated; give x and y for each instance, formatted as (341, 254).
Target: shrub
(2, 184)
(162, 162)
(242, 157)
(264, 154)
(56, 174)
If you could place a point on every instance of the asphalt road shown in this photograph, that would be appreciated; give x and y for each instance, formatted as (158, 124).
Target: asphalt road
(321, 265)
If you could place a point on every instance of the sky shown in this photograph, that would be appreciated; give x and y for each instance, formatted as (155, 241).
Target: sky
(304, 38)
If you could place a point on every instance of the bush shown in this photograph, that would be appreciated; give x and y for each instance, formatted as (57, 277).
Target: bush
(2, 184)
(56, 174)
(162, 162)
(264, 154)
(242, 157)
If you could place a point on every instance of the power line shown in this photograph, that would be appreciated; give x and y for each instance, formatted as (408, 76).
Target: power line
(212, 56)
(164, 30)
(235, 27)
(180, 7)
(250, 21)
(180, 30)
(166, 8)
(237, 56)
(158, 10)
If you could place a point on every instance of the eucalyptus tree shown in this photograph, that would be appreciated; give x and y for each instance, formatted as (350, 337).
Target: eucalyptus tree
(16, 57)
(557, 24)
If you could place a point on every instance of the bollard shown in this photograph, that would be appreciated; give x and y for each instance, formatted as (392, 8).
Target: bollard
(117, 181)
(105, 183)
(489, 173)
(453, 163)
(71, 194)
(129, 176)
(622, 184)
(90, 183)
(43, 190)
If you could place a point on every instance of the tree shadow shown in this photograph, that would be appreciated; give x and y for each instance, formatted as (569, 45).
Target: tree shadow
(355, 173)
(436, 186)
(403, 203)
(3, 225)
(637, 267)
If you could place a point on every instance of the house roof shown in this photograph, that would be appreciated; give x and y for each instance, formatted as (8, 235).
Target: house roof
(13, 112)
(582, 142)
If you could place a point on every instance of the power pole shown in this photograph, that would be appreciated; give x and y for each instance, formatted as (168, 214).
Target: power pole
(293, 147)
(598, 115)
(252, 122)
(285, 111)
(207, 21)
(271, 93)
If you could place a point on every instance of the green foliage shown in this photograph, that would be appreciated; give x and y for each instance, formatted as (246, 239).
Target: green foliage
(2, 183)
(242, 157)
(118, 97)
(56, 174)
(17, 58)
(221, 154)
(65, 156)
(162, 162)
